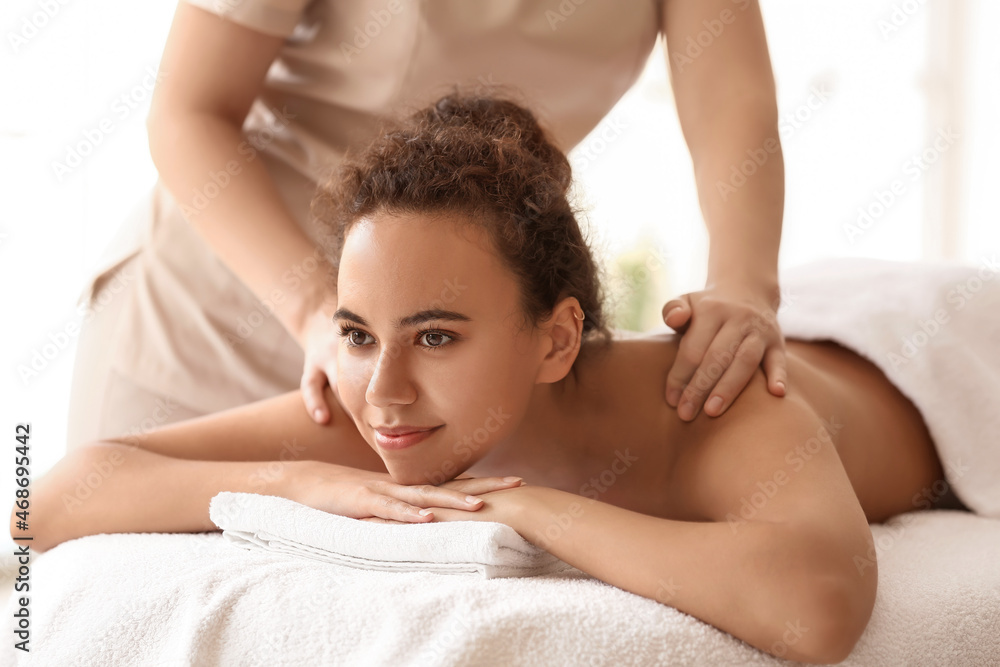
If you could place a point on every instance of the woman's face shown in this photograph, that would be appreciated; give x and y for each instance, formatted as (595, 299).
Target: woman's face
(429, 319)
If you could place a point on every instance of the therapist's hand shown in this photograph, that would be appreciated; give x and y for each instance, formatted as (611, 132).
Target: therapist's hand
(320, 369)
(725, 333)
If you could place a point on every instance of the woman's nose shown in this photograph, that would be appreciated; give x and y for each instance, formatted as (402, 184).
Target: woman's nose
(390, 381)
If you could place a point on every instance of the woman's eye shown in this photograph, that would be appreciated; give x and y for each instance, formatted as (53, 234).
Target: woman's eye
(434, 339)
(352, 337)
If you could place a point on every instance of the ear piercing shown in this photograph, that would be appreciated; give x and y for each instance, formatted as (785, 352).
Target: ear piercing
(581, 317)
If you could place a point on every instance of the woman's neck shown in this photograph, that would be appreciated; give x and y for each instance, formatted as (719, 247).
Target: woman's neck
(554, 442)
(612, 408)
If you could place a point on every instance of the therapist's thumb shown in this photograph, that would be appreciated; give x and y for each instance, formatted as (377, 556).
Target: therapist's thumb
(677, 312)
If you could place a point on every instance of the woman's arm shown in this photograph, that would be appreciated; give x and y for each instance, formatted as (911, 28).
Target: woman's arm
(211, 71)
(773, 563)
(162, 480)
(111, 487)
(273, 429)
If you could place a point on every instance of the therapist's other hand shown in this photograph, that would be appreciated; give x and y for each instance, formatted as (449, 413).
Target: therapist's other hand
(320, 365)
(725, 333)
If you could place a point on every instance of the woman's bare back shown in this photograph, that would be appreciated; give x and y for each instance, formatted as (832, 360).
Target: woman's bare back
(880, 436)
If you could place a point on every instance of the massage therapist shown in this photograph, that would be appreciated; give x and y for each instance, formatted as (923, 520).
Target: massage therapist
(227, 299)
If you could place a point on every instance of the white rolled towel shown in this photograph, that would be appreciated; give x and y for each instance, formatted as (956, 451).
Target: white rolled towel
(276, 524)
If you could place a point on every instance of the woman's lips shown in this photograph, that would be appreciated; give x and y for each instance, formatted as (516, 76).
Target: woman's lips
(405, 440)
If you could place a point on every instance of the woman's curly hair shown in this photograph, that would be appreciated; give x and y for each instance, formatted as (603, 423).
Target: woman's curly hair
(488, 158)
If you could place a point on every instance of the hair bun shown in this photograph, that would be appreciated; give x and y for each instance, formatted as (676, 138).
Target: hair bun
(503, 121)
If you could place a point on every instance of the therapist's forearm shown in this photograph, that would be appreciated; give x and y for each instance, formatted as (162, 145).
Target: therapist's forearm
(112, 487)
(740, 173)
(246, 223)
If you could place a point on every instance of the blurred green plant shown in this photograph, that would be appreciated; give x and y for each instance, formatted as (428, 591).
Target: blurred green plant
(639, 285)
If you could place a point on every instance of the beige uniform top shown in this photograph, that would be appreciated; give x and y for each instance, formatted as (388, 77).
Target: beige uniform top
(191, 329)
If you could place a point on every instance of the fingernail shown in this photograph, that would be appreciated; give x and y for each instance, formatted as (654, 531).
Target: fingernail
(672, 311)
(673, 396)
(714, 404)
(781, 386)
(512, 479)
(425, 512)
(472, 500)
(318, 414)
(686, 411)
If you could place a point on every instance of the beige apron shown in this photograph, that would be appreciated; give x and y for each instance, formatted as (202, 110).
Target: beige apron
(345, 64)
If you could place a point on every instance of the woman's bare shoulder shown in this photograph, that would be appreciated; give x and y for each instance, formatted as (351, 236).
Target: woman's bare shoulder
(766, 458)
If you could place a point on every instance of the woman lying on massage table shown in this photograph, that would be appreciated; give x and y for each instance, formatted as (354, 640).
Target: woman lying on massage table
(470, 309)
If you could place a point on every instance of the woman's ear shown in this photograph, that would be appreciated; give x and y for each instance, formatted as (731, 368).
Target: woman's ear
(563, 331)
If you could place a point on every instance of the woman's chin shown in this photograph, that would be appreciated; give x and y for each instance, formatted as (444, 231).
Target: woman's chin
(407, 476)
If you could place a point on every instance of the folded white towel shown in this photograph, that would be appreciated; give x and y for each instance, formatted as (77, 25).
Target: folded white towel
(280, 525)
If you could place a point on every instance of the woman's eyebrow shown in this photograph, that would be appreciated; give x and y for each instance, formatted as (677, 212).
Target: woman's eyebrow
(410, 320)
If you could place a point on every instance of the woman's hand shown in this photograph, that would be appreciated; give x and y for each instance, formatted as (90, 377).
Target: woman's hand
(725, 332)
(359, 494)
(498, 506)
(320, 365)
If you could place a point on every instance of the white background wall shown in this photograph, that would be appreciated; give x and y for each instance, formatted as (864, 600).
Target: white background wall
(854, 142)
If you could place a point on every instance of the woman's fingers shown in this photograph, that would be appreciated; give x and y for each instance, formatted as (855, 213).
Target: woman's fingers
(480, 484)
(409, 504)
(390, 507)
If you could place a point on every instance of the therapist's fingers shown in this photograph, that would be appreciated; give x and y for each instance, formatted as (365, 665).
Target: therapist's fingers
(775, 368)
(313, 381)
(694, 343)
(742, 364)
(677, 313)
